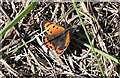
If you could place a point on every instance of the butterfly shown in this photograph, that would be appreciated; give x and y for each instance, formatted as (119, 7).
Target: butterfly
(57, 37)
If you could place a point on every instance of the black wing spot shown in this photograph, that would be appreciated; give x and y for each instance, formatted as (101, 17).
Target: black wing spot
(50, 46)
(48, 25)
(53, 26)
(50, 31)
(57, 28)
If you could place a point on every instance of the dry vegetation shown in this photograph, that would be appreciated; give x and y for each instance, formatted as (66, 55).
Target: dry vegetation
(102, 20)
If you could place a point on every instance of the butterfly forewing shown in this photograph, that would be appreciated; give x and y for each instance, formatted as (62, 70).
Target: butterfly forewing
(53, 29)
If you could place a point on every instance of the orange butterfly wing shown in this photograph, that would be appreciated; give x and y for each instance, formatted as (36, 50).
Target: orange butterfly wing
(53, 29)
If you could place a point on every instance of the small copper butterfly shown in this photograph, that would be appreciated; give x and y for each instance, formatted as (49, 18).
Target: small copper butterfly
(57, 37)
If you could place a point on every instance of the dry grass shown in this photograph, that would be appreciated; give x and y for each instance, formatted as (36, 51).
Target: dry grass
(34, 59)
